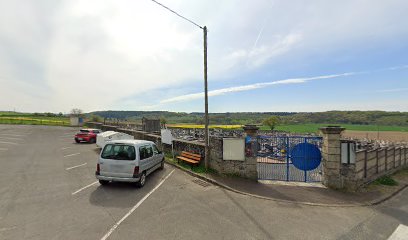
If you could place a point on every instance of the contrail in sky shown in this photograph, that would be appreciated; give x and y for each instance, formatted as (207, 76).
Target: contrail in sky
(223, 91)
(259, 35)
(248, 87)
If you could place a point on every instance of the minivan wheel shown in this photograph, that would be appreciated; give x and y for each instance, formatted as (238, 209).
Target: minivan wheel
(103, 182)
(142, 180)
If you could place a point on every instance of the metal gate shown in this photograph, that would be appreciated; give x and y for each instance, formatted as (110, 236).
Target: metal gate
(289, 158)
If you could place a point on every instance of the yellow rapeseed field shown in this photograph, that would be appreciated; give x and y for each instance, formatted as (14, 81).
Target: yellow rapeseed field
(202, 126)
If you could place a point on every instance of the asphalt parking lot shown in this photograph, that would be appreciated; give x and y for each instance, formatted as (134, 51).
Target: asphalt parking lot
(48, 191)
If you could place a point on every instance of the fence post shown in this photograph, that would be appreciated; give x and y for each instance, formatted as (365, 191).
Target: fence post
(365, 163)
(400, 157)
(394, 157)
(376, 171)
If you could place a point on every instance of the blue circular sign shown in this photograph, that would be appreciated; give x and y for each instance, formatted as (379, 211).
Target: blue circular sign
(306, 156)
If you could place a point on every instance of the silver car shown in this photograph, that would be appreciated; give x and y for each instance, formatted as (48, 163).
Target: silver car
(128, 161)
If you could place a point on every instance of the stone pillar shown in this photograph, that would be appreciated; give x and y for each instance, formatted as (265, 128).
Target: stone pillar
(251, 130)
(251, 149)
(251, 144)
(331, 153)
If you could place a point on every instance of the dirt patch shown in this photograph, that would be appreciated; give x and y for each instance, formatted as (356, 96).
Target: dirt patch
(382, 135)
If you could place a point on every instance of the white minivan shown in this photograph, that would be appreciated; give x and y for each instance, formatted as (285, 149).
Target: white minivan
(128, 161)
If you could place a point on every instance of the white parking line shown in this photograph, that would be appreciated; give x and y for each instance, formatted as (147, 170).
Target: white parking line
(87, 186)
(3, 149)
(400, 233)
(75, 166)
(135, 207)
(64, 148)
(9, 143)
(70, 155)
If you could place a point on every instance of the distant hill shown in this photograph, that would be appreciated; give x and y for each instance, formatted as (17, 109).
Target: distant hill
(330, 117)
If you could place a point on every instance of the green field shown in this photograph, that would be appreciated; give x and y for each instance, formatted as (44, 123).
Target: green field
(35, 120)
(313, 128)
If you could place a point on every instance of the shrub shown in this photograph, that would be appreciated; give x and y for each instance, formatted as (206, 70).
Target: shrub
(386, 180)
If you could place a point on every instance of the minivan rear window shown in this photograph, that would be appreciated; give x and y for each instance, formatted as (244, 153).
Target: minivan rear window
(119, 152)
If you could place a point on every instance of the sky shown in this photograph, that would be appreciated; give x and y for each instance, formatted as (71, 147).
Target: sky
(263, 55)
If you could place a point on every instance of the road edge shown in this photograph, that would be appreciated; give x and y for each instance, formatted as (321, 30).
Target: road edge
(215, 182)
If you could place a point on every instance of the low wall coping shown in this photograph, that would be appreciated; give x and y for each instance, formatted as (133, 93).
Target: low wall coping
(189, 142)
(332, 129)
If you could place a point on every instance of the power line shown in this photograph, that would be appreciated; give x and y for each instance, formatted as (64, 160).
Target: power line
(207, 134)
(177, 14)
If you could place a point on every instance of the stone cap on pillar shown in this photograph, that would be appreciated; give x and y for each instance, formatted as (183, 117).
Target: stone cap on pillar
(250, 130)
(332, 129)
(250, 127)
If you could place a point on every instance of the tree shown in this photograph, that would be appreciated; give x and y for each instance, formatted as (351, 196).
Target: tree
(163, 122)
(95, 118)
(271, 122)
(76, 112)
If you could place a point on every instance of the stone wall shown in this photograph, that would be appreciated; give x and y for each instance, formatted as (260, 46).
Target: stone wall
(179, 145)
(369, 164)
(379, 162)
(245, 168)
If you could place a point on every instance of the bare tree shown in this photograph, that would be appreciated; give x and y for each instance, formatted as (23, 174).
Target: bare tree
(76, 112)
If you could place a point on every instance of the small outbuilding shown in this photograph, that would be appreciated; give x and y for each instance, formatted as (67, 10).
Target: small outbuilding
(151, 125)
(76, 121)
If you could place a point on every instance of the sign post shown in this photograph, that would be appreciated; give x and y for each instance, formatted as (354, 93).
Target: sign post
(167, 138)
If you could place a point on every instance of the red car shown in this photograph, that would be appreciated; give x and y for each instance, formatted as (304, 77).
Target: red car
(87, 135)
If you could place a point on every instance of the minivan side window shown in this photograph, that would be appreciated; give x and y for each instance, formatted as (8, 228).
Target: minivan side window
(149, 151)
(155, 150)
(143, 152)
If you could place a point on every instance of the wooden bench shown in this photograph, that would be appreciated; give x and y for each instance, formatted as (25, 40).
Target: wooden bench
(189, 157)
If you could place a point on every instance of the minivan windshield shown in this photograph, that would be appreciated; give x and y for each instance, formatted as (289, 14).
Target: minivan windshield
(119, 152)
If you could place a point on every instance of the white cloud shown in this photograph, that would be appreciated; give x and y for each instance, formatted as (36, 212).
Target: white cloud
(91, 54)
(250, 59)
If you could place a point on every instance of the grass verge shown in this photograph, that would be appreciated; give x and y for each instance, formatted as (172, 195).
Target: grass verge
(386, 180)
(197, 169)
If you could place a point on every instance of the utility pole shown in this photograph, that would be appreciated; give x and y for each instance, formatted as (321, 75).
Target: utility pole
(207, 137)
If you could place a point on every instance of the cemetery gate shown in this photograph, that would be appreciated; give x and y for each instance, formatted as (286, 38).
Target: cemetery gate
(289, 158)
